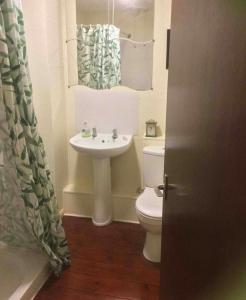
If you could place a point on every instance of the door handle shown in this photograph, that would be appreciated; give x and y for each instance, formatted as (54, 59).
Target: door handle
(168, 48)
(162, 187)
(161, 190)
(166, 187)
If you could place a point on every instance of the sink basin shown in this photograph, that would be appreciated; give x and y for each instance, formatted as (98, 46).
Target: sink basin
(102, 146)
(101, 149)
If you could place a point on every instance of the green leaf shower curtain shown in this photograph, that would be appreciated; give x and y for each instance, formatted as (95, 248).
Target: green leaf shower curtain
(98, 56)
(28, 211)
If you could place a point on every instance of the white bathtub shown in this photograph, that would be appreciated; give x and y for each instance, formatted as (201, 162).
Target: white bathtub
(22, 272)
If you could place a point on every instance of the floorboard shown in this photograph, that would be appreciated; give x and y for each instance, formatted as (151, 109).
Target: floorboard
(107, 264)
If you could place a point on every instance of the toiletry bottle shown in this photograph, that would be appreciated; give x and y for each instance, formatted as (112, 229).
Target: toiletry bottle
(86, 132)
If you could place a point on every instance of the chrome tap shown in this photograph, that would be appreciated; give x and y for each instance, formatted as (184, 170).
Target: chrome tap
(94, 132)
(115, 134)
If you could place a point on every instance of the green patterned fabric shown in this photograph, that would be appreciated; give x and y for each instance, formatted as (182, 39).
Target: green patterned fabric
(98, 55)
(29, 214)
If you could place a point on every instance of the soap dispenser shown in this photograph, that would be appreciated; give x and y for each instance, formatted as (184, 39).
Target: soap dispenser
(86, 132)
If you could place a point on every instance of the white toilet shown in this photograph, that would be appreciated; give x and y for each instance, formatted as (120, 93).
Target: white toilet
(149, 204)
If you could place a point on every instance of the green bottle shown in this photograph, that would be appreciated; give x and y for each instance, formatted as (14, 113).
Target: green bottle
(86, 132)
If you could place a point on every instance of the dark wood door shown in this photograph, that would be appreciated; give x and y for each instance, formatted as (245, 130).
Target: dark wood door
(204, 225)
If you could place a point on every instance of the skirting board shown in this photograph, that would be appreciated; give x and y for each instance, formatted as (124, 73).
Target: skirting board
(79, 203)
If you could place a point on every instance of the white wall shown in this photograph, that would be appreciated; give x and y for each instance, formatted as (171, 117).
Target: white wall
(46, 32)
(153, 103)
(45, 50)
(139, 24)
(127, 168)
(136, 63)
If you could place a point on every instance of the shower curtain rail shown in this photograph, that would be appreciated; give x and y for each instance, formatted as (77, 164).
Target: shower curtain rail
(77, 84)
(124, 39)
(128, 35)
(136, 42)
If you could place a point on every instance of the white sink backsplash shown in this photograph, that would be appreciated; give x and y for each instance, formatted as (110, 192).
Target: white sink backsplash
(107, 109)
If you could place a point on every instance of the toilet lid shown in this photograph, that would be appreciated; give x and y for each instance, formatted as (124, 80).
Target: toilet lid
(149, 204)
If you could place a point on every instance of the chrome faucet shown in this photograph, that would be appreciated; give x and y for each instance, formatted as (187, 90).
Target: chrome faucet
(94, 132)
(115, 134)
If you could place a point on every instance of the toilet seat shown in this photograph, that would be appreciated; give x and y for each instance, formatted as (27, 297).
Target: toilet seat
(149, 204)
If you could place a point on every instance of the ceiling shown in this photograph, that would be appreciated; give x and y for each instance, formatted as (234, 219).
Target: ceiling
(121, 5)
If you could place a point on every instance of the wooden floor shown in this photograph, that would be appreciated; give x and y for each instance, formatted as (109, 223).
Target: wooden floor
(107, 264)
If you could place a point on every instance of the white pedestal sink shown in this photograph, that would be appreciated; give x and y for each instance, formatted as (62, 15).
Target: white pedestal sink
(102, 148)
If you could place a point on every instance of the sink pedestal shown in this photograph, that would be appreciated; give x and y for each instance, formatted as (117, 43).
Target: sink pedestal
(103, 206)
(101, 148)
